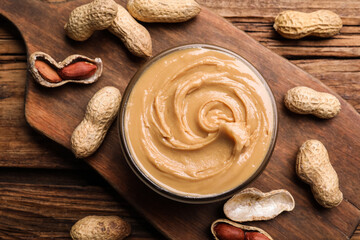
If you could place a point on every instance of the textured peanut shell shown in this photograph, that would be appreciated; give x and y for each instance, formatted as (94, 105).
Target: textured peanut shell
(253, 205)
(100, 228)
(84, 20)
(304, 100)
(59, 65)
(295, 25)
(163, 10)
(135, 36)
(100, 113)
(238, 225)
(313, 167)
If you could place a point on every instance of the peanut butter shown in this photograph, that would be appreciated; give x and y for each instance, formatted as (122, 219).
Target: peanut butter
(199, 122)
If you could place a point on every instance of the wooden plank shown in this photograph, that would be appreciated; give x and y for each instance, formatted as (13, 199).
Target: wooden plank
(43, 204)
(20, 145)
(9, 47)
(339, 222)
(341, 75)
(345, 45)
(270, 8)
(344, 85)
(334, 82)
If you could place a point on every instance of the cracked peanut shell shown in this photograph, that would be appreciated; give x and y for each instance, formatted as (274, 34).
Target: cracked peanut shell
(253, 205)
(56, 66)
(245, 228)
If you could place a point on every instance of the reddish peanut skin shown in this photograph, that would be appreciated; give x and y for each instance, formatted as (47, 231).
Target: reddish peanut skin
(255, 236)
(78, 71)
(227, 232)
(47, 72)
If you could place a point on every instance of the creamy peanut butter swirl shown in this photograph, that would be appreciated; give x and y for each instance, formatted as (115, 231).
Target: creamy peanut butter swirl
(198, 115)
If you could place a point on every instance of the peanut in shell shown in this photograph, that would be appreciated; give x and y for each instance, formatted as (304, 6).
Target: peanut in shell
(313, 167)
(296, 25)
(168, 11)
(100, 113)
(100, 228)
(304, 100)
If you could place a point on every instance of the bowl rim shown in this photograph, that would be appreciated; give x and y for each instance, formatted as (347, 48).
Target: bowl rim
(145, 178)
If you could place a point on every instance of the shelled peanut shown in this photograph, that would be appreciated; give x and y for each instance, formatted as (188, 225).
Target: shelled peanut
(77, 71)
(100, 227)
(223, 229)
(313, 167)
(295, 25)
(163, 10)
(75, 68)
(304, 100)
(47, 71)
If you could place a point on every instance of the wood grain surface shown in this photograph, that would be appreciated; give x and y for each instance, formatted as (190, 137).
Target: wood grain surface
(45, 190)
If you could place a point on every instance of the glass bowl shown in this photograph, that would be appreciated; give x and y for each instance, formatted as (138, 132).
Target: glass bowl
(149, 180)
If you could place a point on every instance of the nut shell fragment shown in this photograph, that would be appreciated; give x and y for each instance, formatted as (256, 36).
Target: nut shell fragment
(41, 56)
(238, 225)
(313, 167)
(253, 205)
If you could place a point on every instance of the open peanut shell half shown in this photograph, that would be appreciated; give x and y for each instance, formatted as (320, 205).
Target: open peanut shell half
(223, 229)
(253, 205)
(75, 68)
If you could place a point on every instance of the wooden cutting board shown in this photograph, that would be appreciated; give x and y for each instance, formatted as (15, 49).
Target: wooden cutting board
(56, 112)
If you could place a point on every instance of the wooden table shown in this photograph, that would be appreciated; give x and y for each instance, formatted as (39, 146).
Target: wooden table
(44, 190)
